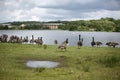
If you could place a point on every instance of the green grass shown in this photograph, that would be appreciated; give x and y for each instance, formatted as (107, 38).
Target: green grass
(86, 63)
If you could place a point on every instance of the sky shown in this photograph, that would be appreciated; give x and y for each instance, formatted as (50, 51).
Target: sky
(54, 10)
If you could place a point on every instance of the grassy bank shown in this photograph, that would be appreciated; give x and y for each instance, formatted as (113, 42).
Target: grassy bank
(86, 63)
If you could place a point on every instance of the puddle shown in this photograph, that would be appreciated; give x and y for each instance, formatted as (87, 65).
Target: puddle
(42, 64)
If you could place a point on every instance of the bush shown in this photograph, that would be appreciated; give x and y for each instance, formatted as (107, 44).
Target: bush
(86, 68)
(39, 69)
(109, 61)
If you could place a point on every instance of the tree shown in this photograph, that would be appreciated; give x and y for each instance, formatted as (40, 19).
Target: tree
(108, 19)
(117, 25)
(72, 28)
(4, 27)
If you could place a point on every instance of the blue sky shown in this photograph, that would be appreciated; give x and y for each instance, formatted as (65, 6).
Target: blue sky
(47, 10)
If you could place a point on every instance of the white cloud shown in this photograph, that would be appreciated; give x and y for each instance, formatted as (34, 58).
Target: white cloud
(44, 2)
(16, 15)
(44, 10)
(38, 11)
(102, 13)
(34, 18)
(85, 1)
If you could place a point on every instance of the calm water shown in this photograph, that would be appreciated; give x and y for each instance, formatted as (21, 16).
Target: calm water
(50, 35)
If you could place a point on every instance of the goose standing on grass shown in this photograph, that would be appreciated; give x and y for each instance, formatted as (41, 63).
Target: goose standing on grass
(66, 41)
(93, 42)
(98, 43)
(32, 40)
(3, 38)
(64, 44)
(15, 39)
(113, 44)
(55, 42)
(25, 40)
(80, 42)
(39, 41)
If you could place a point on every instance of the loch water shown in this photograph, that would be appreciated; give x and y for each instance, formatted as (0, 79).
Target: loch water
(60, 35)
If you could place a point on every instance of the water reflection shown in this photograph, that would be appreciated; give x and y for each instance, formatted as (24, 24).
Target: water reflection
(42, 64)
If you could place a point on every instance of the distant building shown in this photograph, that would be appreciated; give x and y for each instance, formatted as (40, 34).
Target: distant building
(22, 25)
(52, 25)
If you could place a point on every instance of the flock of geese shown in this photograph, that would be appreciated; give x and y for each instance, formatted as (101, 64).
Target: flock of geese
(63, 45)
(97, 43)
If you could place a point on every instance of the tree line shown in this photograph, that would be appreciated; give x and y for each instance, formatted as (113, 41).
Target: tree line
(103, 24)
